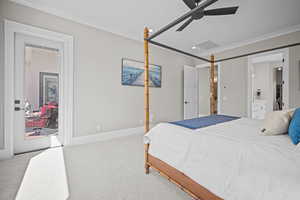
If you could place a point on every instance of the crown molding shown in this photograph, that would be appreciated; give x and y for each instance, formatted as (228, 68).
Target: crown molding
(275, 34)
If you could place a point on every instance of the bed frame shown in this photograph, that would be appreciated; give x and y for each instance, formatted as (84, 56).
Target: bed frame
(184, 182)
(180, 179)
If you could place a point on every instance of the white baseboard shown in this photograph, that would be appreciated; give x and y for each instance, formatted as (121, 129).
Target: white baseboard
(106, 136)
(4, 154)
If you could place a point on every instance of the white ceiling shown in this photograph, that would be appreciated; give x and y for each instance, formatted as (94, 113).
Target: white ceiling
(128, 18)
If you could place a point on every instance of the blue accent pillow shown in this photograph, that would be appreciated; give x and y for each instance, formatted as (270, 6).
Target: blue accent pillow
(294, 128)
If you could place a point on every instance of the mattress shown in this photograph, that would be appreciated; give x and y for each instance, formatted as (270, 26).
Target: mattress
(231, 159)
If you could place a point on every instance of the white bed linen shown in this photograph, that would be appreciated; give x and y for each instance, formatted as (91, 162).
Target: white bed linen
(231, 159)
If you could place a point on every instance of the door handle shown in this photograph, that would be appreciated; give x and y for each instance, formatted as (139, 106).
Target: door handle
(186, 102)
(17, 101)
(18, 108)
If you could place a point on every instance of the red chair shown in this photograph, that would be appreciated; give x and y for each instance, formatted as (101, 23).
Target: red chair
(40, 120)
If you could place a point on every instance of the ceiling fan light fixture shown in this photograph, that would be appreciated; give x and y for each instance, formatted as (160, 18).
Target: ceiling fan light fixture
(192, 4)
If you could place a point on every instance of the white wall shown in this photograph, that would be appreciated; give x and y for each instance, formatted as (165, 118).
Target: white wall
(233, 84)
(204, 91)
(276, 78)
(1, 79)
(295, 76)
(99, 96)
(263, 80)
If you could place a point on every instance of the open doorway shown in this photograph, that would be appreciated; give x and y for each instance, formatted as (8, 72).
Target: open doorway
(204, 89)
(197, 90)
(278, 86)
(267, 83)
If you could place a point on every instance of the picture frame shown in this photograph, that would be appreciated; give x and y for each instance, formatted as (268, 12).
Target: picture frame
(133, 73)
(49, 88)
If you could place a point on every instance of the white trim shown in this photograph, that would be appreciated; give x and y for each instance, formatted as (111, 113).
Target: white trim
(286, 77)
(219, 83)
(5, 154)
(249, 88)
(204, 65)
(106, 136)
(11, 28)
(275, 34)
(268, 58)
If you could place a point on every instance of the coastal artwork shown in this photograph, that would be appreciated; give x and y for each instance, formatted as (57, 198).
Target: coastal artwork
(133, 73)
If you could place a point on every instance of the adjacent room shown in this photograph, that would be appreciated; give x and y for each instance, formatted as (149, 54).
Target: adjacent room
(139, 100)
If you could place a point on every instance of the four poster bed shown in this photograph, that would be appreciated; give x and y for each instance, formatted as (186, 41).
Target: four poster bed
(194, 172)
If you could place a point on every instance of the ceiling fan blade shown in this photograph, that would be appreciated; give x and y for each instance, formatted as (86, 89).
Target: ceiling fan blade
(222, 11)
(190, 3)
(185, 24)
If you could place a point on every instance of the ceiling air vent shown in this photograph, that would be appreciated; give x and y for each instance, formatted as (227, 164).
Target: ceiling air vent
(206, 45)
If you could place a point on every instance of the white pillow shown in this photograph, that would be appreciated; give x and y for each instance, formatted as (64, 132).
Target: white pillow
(291, 112)
(298, 147)
(276, 123)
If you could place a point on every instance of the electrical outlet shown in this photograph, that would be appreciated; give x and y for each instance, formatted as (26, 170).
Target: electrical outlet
(141, 121)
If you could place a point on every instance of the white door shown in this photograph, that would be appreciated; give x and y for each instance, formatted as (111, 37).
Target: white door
(190, 101)
(37, 97)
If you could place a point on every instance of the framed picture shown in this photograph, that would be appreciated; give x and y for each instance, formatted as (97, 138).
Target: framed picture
(49, 88)
(133, 73)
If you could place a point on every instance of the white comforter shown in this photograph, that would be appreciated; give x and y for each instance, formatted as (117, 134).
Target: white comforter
(231, 159)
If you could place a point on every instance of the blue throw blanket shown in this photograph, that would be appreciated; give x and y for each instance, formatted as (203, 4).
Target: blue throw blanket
(206, 121)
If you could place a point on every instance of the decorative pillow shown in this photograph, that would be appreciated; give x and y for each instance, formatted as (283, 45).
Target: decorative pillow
(294, 128)
(276, 123)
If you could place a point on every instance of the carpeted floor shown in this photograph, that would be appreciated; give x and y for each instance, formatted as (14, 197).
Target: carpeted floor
(110, 170)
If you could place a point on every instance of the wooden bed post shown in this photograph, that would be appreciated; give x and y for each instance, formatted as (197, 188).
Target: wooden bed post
(212, 85)
(146, 94)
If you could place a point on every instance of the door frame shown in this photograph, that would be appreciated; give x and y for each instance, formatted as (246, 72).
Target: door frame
(286, 76)
(207, 65)
(66, 84)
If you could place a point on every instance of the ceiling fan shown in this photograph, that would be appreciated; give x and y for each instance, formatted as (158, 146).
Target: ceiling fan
(198, 15)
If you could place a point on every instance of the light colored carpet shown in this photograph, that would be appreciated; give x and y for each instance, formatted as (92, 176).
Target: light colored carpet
(110, 170)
